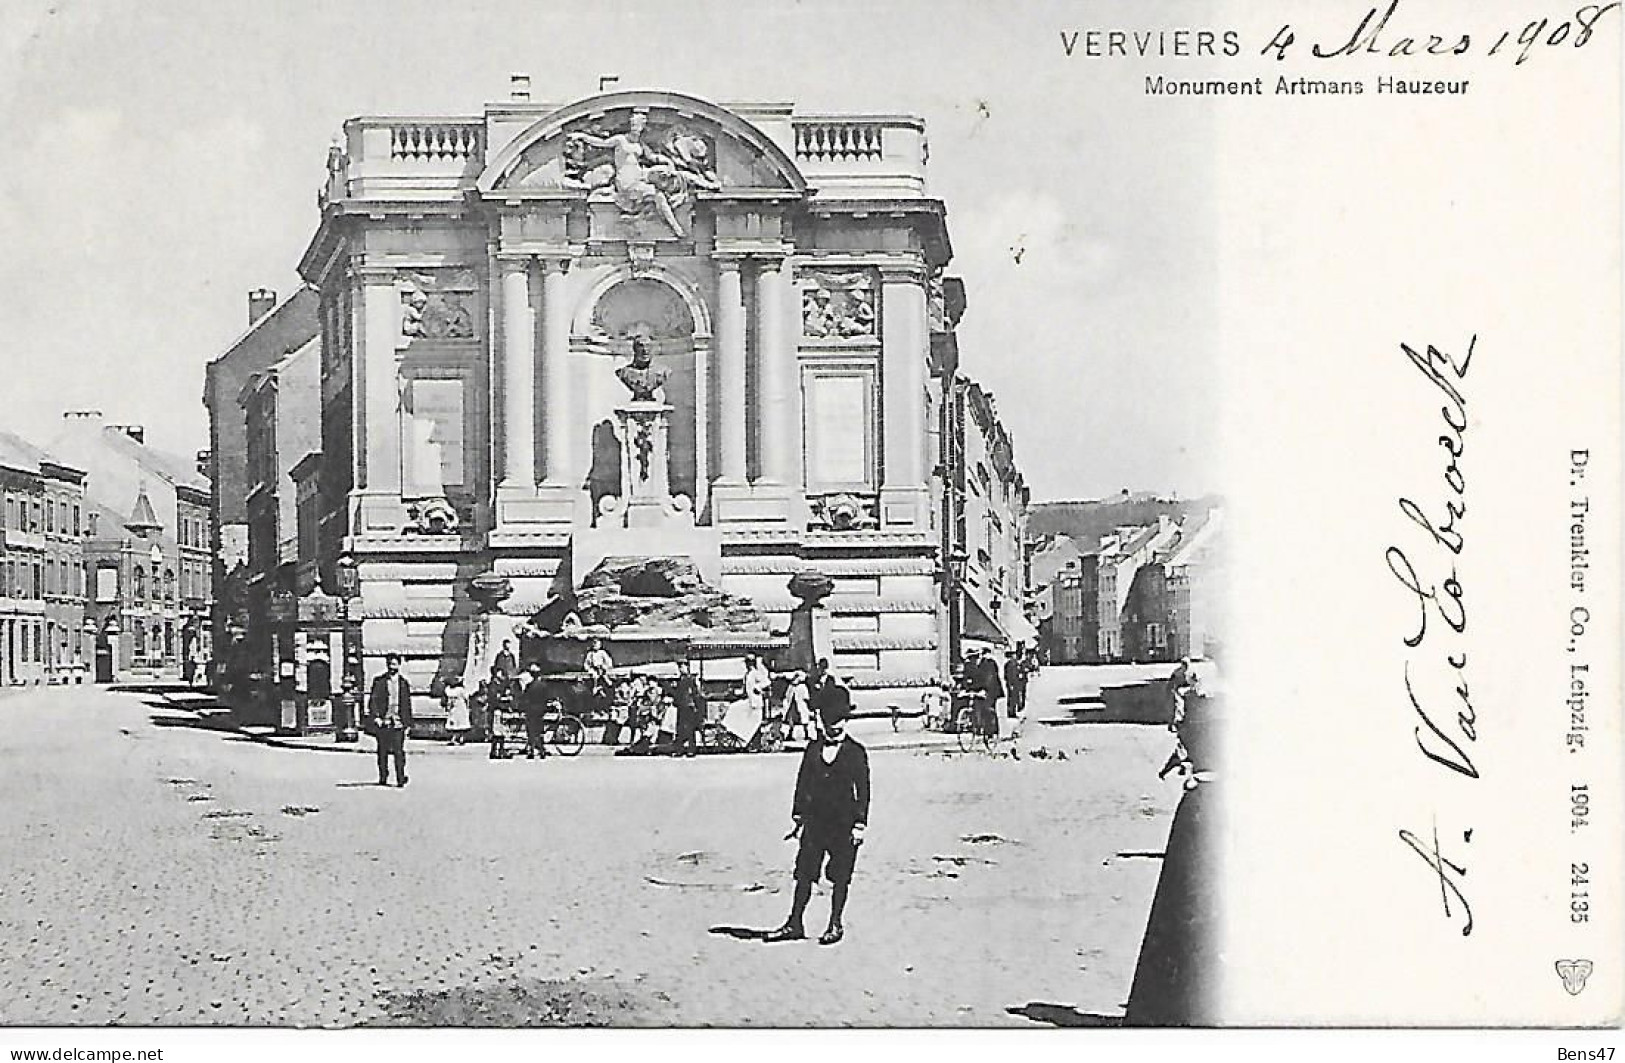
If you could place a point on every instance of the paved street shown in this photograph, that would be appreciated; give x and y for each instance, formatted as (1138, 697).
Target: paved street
(158, 873)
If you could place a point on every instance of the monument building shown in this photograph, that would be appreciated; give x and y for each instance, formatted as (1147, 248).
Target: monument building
(639, 325)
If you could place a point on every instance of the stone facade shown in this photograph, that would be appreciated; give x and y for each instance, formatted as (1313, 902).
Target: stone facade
(1144, 592)
(994, 586)
(481, 281)
(282, 417)
(275, 331)
(42, 604)
(147, 553)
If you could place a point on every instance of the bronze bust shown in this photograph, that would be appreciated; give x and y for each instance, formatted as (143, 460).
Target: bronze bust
(642, 378)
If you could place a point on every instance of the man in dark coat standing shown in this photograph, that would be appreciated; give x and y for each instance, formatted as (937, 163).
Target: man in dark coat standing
(389, 710)
(690, 701)
(505, 664)
(1015, 681)
(533, 700)
(831, 812)
(829, 695)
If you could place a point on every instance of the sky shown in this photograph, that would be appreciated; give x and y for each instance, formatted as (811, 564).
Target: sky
(163, 159)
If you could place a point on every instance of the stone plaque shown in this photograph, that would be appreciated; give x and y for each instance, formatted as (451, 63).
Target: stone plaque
(434, 435)
(839, 429)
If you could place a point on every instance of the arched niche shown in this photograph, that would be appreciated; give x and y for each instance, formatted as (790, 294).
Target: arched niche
(668, 316)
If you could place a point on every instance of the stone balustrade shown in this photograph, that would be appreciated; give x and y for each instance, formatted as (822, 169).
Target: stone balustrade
(406, 158)
(867, 156)
(425, 141)
(838, 141)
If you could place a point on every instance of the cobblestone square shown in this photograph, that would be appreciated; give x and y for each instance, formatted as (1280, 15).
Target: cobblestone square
(163, 873)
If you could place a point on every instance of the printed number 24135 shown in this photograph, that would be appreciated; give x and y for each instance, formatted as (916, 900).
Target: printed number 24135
(1579, 897)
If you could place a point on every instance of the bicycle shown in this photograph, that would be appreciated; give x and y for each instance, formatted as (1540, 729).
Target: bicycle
(563, 733)
(974, 726)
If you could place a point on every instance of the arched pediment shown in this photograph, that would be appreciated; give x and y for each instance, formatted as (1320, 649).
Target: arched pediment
(683, 144)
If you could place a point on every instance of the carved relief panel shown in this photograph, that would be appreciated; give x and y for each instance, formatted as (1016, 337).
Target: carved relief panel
(648, 167)
(838, 304)
(438, 304)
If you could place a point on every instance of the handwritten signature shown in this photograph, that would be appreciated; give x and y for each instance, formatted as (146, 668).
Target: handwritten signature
(1448, 872)
(1436, 590)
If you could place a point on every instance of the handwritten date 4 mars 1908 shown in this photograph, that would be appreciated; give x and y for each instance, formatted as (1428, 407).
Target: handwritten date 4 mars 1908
(1435, 669)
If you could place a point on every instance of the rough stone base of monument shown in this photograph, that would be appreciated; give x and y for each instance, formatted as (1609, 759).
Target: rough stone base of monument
(701, 547)
(651, 593)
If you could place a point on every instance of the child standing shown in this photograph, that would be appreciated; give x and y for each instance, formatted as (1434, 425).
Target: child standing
(459, 720)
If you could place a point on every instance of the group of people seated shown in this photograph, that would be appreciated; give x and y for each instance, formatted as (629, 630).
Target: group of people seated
(645, 714)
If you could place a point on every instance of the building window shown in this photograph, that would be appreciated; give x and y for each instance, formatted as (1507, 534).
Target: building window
(169, 585)
(39, 581)
(140, 582)
(76, 519)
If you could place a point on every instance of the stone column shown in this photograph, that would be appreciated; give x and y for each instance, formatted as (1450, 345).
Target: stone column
(518, 377)
(730, 373)
(776, 367)
(904, 349)
(380, 330)
(556, 408)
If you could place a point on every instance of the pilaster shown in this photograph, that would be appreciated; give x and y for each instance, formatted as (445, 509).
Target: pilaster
(905, 352)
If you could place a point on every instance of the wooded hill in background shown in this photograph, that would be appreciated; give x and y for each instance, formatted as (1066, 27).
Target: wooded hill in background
(1086, 521)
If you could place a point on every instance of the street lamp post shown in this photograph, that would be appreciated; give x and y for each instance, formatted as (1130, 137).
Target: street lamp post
(347, 577)
(957, 560)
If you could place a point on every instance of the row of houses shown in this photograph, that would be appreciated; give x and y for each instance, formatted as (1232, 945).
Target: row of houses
(1148, 592)
(104, 557)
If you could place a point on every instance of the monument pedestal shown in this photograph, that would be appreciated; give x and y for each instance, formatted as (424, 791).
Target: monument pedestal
(646, 500)
(646, 520)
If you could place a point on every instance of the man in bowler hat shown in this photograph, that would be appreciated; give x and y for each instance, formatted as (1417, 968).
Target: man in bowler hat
(831, 812)
(389, 711)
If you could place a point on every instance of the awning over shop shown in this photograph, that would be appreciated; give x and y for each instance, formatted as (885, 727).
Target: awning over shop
(1016, 625)
(978, 622)
(1003, 627)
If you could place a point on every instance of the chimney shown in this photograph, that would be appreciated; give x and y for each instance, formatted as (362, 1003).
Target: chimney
(261, 301)
(519, 88)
